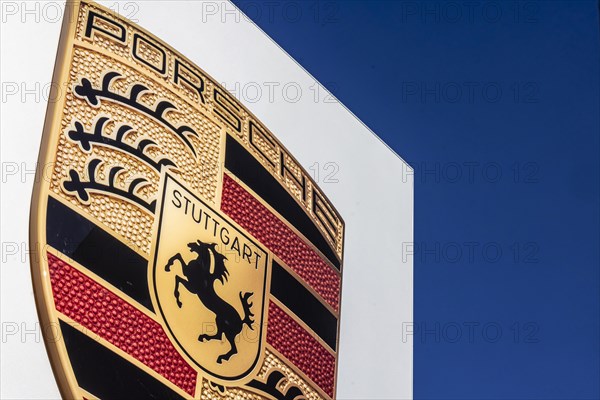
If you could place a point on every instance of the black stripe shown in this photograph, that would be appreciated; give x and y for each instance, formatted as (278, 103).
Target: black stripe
(304, 304)
(94, 248)
(247, 168)
(107, 375)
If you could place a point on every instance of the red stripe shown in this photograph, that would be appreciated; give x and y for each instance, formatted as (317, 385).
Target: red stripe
(247, 211)
(113, 319)
(298, 346)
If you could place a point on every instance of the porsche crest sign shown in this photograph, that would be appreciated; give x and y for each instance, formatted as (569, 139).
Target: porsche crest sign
(188, 254)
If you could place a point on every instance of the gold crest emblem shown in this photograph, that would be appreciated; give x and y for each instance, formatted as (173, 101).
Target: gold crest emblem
(185, 252)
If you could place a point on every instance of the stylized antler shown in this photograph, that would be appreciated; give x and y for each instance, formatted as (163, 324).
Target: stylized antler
(273, 386)
(86, 91)
(86, 139)
(82, 189)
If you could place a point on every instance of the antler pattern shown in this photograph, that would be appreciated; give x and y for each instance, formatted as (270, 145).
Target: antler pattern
(86, 91)
(82, 188)
(86, 139)
(273, 386)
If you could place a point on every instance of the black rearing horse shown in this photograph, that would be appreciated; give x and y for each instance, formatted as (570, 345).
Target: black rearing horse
(200, 281)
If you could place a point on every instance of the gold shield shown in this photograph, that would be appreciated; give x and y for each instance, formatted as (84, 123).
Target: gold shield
(209, 280)
(184, 252)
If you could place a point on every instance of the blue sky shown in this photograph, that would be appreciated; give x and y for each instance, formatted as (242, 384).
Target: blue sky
(496, 106)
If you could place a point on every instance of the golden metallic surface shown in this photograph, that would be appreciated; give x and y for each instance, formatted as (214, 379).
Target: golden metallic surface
(183, 218)
(130, 221)
(139, 150)
(273, 363)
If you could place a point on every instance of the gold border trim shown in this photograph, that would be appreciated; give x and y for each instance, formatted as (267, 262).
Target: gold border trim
(47, 313)
(57, 353)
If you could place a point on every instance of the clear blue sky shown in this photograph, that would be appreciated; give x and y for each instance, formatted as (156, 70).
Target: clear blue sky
(496, 105)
